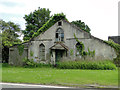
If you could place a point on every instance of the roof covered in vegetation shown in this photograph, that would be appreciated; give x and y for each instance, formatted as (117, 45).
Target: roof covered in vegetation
(50, 23)
(55, 18)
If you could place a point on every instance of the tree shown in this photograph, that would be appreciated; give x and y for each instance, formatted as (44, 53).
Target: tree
(9, 34)
(81, 25)
(34, 21)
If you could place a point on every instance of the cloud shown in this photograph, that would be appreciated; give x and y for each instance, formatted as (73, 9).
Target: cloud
(9, 4)
(11, 7)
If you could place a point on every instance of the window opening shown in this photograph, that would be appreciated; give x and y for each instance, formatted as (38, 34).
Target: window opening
(59, 35)
(42, 52)
(59, 23)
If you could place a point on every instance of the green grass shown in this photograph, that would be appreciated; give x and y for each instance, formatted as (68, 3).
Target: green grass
(65, 77)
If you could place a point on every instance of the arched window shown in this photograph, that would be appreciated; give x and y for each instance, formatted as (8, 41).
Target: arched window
(42, 52)
(59, 35)
(79, 48)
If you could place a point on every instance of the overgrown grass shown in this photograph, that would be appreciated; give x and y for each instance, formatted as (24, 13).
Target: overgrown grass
(87, 64)
(5, 65)
(80, 64)
(38, 65)
(29, 63)
(64, 77)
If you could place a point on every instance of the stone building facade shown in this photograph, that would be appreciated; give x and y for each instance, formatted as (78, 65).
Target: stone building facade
(59, 43)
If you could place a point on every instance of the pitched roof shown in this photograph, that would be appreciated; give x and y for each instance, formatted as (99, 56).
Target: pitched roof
(49, 23)
(73, 25)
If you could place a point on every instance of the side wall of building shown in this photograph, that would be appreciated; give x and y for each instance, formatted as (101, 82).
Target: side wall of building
(102, 50)
(15, 58)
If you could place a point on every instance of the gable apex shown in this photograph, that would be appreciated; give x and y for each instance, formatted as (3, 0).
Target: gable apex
(74, 26)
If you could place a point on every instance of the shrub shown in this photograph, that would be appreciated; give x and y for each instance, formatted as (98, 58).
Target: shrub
(43, 65)
(86, 64)
(117, 61)
(30, 63)
(5, 65)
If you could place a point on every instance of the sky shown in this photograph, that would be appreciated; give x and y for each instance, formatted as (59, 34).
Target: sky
(100, 15)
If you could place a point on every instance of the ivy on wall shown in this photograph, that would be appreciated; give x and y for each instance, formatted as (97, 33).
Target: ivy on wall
(81, 49)
(20, 49)
(91, 53)
(31, 53)
(114, 45)
(117, 50)
(71, 52)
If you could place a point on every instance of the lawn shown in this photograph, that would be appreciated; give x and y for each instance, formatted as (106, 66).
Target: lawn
(65, 77)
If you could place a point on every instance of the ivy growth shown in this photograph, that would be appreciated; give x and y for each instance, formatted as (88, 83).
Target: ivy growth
(91, 53)
(81, 25)
(117, 50)
(71, 51)
(81, 49)
(21, 49)
(31, 53)
(114, 45)
(49, 23)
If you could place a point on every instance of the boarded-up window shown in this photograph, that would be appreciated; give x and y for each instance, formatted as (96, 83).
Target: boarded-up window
(42, 52)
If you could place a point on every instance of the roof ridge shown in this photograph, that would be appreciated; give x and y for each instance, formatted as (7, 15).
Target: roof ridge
(49, 23)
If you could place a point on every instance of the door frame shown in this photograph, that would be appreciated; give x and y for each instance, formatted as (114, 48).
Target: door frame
(60, 53)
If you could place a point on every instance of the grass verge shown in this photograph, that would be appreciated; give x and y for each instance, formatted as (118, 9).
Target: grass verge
(64, 77)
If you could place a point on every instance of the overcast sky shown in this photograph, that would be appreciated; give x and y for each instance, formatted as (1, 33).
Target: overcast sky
(100, 15)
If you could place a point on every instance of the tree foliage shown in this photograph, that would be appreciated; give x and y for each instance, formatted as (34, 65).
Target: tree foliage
(34, 21)
(82, 25)
(9, 34)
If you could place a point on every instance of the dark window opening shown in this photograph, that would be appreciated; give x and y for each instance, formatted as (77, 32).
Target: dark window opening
(79, 48)
(59, 23)
(56, 35)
